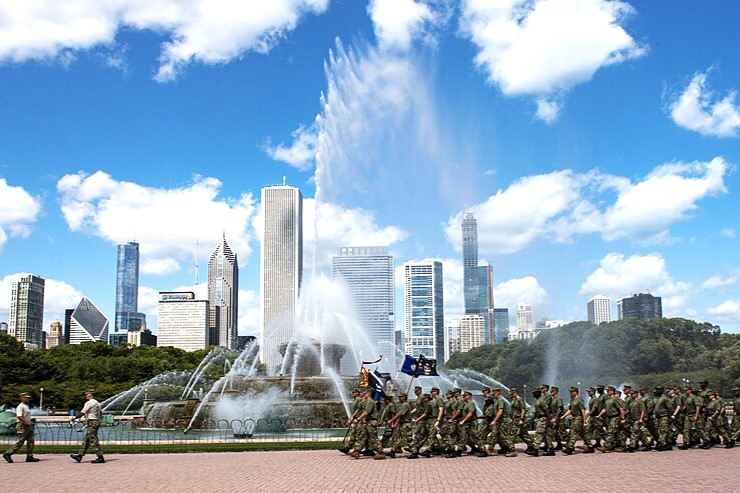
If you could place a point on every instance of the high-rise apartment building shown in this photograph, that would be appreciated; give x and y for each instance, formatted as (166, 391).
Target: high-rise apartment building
(281, 269)
(500, 325)
(424, 309)
(27, 311)
(472, 332)
(87, 323)
(127, 316)
(223, 296)
(56, 335)
(452, 338)
(182, 321)
(599, 309)
(525, 328)
(641, 305)
(368, 272)
(477, 279)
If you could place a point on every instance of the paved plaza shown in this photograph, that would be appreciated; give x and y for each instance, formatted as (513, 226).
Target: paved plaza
(330, 471)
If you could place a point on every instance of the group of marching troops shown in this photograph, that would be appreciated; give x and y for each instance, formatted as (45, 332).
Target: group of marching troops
(611, 421)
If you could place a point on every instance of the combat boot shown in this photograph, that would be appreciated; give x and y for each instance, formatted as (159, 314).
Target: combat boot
(589, 450)
(31, 458)
(355, 454)
(391, 454)
(559, 446)
(76, 457)
(7, 458)
(99, 460)
(426, 454)
(549, 452)
(451, 455)
(481, 453)
(380, 456)
(568, 451)
(368, 453)
(730, 444)
(413, 455)
(344, 450)
(683, 446)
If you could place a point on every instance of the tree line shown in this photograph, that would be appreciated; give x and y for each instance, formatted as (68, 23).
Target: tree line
(669, 351)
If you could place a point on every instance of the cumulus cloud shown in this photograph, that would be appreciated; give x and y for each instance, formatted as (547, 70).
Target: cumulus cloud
(58, 297)
(728, 232)
(397, 22)
(18, 211)
(522, 290)
(544, 47)
(301, 153)
(700, 110)
(562, 204)
(166, 222)
(727, 311)
(208, 31)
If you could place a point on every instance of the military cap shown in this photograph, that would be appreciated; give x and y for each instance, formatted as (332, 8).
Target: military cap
(574, 389)
(591, 389)
(467, 392)
(457, 390)
(659, 388)
(704, 381)
(25, 394)
(556, 389)
(404, 394)
(513, 389)
(600, 386)
(545, 386)
(356, 391)
(434, 389)
(627, 387)
(633, 391)
(496, 389)
(537, 391)
(612, 388)
(427, 396)
(449, 392)
(617, 391)
(736, 389)
(418, 387)
(486, 389)
(643, 388)
(689, 387)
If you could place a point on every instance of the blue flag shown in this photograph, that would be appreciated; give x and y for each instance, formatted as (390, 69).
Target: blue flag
(377, 385)
(409, 366)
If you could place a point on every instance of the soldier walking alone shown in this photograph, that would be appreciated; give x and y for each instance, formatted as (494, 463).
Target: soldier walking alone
(24, 429)
(92, 413)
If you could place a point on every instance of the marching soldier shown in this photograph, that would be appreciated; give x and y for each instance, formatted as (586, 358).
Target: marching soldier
(92, 413)
(701, 425)
(541, 418)
(467, 426)
(692, 404)
(637, 415)
(517, 423)
(484, 429)
(662, 412)
(499, 433)
(353, 425)
(557, 426)
(368, 420)
(24, 429)
(614, 414)
(735, 430)
(595, 406)
(716, 420)
(399, 423)
(421, 435)
(649, 419)
(436, 440)
(388, 411)
(679, 414)
(577, 413)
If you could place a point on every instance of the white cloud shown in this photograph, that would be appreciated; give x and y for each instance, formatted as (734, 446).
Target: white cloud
(165, 222)
(543, 47)
(547, 110)
(249, 312)
(562, 204)
(717, 281)
(18, 211)
(698, 109)
(728, 311)
(301, 153)
(58, 297)
(208, 31)
(398, 22)
(523, 290)
(727, 232)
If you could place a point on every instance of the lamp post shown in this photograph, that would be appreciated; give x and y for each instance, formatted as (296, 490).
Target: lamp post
(41, 398)
(525, 393)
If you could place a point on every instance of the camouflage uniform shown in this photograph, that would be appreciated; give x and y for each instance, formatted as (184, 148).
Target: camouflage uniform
(716, 419)
(662, 412)
(679, 402)
(421, 434)
(436, 435)
(515, 429)
(613, 422)
(649, 418)
(595, 405)
(402, 427)
(541, 418)
(25, 435)
(500, 433)
(449, 429)
(484, 428)
(690, 435)
(636, 410)
(468, 431)
(389, 410)
(576, 408)
(557, 431)
(91, 438)
(735, 430)
(701, 425)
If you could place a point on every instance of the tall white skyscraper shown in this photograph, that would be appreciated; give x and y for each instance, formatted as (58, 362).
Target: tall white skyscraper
(424, 309)
(472, 332)
(281, 267)
(599, 309)
(369, 275)
(223, 296)
(27, 311)
(182, 321)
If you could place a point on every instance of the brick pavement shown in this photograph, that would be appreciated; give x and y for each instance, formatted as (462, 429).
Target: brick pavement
(330, 471)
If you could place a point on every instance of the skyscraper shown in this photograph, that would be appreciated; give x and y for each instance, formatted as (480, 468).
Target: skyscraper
(599, 309)
(223, 296)
(641, 305)
(472, 332)
(182, 321)
(477, 280)
(87, 323)
(281, 266)
(27, 311)
(56, 334)
(424, 309)
(501, 325)
(525, 328)
(127, 316)
(368, 273)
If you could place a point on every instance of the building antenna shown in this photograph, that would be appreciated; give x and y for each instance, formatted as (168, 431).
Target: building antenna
(196, 264)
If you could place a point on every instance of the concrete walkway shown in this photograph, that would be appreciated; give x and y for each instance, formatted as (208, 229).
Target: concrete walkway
(330, 471)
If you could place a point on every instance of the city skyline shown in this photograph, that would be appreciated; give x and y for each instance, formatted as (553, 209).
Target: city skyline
(597, 146)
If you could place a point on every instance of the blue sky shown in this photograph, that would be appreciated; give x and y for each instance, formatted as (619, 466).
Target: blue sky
(596, 142)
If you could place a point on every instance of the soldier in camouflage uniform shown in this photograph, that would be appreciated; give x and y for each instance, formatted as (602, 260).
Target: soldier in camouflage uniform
(716, 419)
(368, 420)
(467, 426)
(692, 406)
(595, 406)
(401, 427)
(518, 421)
(636, 412)
(614, 414)
(421, 435)
(386, 413)
(557, 426)
(353, 425)
(701, 425)
(92, 412)
(484, 428)
(649, 418)
(449, 427)
(436, 442)
(735, 430)
(577, 413)
(679, 414)
(626, 430)
(499, 433)
(541, 418)
(24, 428)
(662, 411)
